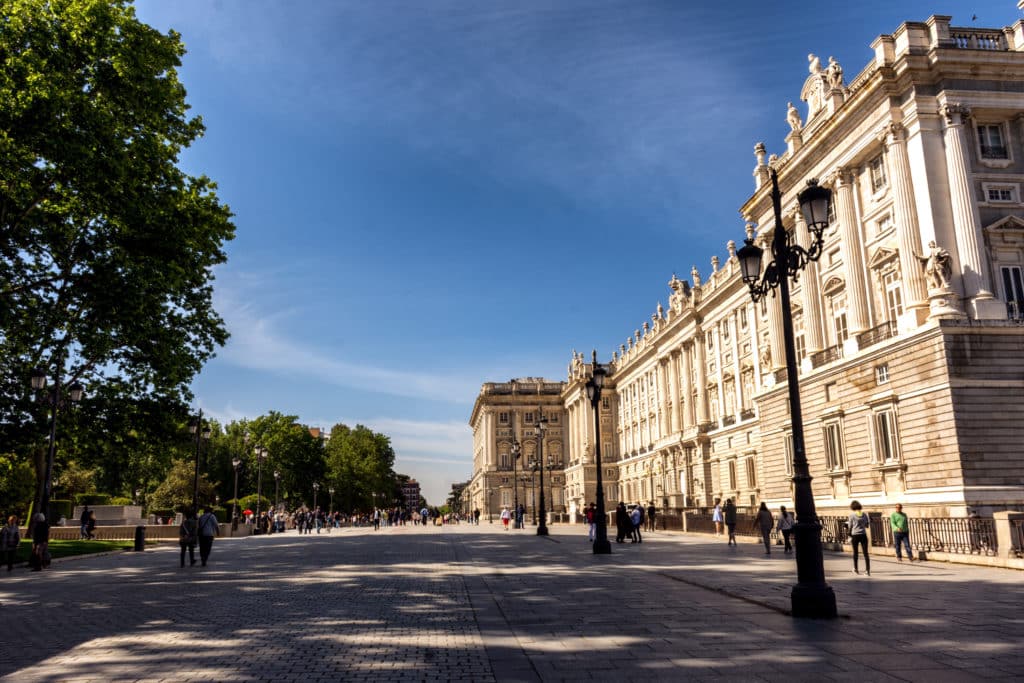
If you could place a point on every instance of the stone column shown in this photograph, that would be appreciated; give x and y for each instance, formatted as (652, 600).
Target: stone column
(966, 224)
(775, 341)
(736, 365)
(689, 418)
(662, 398)
(673, 390)
(701, 366)
(853, 255)
(720, 387)
(814, 337)
(907, 230)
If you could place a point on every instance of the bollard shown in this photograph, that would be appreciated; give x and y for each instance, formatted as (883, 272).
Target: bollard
(140, 538)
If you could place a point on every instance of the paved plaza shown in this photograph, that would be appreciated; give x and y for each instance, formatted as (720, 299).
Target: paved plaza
(466, 603)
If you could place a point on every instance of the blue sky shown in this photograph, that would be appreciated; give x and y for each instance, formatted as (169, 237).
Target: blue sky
(434, 194)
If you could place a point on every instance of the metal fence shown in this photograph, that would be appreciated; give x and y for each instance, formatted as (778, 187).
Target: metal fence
(958, 535)
(1017, 536)
(154, 532)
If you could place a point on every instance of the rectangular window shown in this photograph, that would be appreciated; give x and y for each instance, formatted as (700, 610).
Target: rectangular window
(751, 474)
(993, 146)
(876, 168)
(725, 331)
(833, 256)
(553, 419)
(842, 333)
(732, 475)
(883, 224)
(893, 295)
(528, 418)
(504, 461)
(606, 403)
(882, 374)
(743, 318)
(1013, 291)
(787, 443)
(886, 441)
(833, 447)
(799, 340)
(503, 418)
(999, 194)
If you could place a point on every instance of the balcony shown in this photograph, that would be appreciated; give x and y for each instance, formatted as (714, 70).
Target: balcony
(728, 420)
(876, 334)
(994, 152)
(833, 353)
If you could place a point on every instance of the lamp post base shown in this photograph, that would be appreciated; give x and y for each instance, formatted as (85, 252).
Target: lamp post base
(542, 530)
(602, 546)
(813, 602)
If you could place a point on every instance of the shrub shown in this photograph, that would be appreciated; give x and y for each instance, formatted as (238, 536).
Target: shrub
(92, 499)
(120, 500)
(61, 508)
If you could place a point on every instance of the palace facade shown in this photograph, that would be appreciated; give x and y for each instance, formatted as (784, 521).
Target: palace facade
(908, 329)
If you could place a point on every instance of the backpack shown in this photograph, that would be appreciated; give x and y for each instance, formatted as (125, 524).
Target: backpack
(642, 514)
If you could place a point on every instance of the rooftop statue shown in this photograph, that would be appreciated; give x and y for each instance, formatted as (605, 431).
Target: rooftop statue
(938, 266)
(834, 74)
(793, 117)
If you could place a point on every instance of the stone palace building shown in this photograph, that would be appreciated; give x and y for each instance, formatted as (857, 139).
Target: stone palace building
(909, 330)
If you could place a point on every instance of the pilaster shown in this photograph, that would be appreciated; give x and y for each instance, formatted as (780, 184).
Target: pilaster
(853, 255)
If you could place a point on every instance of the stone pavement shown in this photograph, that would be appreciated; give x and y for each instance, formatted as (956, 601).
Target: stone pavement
(480, 604)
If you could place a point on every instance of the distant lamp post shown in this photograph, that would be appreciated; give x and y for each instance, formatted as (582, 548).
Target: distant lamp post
(138, 496)
(490, 505)
(277, 489)
(202, 433)
(811, 596)
(55, 400)
(316, 490)
(542, 423)
(330, 503)
(516, 451)
(533, 487)
(261, 455)
(594, 385)
(236, 463)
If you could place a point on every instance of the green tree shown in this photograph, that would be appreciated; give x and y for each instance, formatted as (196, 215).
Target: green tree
(359, 466)
(175, 492)
(17, 482)
(107, 247)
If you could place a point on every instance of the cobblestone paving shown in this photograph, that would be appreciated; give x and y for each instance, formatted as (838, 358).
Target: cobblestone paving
(480, 604)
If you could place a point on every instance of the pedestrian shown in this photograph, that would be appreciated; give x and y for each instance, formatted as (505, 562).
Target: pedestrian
(716, 517)
(208, 529)
(622, 522)
(637, 517)
(83, 530)
(764, 523)
(505, 516)
(859, 522)
(40, 558)
(591, 515)
(786, 527)
(901, 532)
(90, 525)
(650, 516)
(10, 538)
(188, 535)
(476, 517)
(730, 520)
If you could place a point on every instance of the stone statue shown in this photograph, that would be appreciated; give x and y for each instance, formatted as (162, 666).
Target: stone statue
(938, 266)
(714, 264)
(695, 274)
(793, 117)
(661, 311)
(814, 64)
(677, 300)
(834, 74)
(766, 358)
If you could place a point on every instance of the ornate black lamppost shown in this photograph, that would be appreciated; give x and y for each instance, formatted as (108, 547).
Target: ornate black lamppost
(316, 490)
(330, 503)
(277, 490)
(542, 423)
(55, 400)
(516, 450)
(594, 385)
(202, 432)
(261, 455)
(811, 596)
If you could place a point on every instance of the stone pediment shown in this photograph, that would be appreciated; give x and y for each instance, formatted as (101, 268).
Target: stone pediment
(881, 256)
(833, 284)
(1007, 230)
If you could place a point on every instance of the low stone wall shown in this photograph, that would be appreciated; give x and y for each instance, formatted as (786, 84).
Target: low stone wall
(154, 532)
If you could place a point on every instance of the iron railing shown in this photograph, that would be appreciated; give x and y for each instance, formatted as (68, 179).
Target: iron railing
(876, 334)
(828, 355)
(1017, 536)
(994, 152)
(957, 535)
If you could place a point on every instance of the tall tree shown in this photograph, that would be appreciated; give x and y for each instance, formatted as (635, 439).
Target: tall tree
(106, 246)
(359, 465)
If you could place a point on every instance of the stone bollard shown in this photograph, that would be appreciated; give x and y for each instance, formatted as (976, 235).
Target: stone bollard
(1004, 535)
(140, 538)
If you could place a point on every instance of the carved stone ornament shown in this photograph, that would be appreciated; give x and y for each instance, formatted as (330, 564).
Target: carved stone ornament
(834, 74)
(938, 267)
(955, 113)
(793, 118)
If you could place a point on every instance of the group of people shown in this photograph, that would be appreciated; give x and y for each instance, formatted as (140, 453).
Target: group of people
(197, 530)
(10, 539)
(857, 525)
(627, 522)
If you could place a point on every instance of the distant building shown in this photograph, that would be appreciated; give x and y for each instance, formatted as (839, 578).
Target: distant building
(411, 494)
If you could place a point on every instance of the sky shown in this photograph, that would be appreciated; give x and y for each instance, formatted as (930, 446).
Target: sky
(434, 194)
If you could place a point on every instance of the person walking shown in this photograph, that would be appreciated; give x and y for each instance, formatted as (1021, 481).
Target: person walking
(83, 530)
(188, 535)
(764, 523)
(591, 517)
(10, 538)
(716, 517)
(622, 523)
(729, 513)
(637, 519)
(476, 517)
(505, 517)
(40, 542)
(651, 511)
(208, 529)
(859, 522)
(901, 532)
(786, 527)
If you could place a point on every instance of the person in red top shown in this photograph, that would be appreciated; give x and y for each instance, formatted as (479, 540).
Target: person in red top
(591, 516)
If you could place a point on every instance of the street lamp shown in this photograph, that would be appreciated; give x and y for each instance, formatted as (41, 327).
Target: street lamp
(55, 401)
(316, 489)
(201, 432)
(533, 488)
(261, 455)
(594, 385)
(516, 449)
(277, 489)
(811, 596)
(542, 423)
(236, 463)
(490, 506)
(330, 503)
